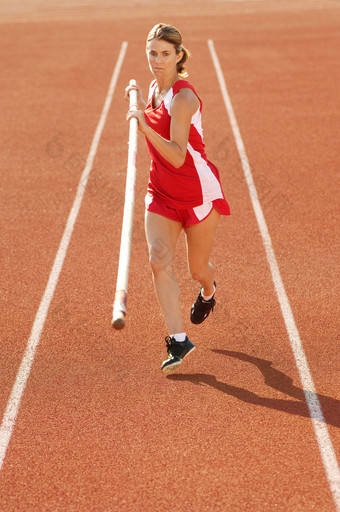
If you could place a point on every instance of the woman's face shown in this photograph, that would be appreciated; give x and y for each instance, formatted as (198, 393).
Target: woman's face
(162, 58)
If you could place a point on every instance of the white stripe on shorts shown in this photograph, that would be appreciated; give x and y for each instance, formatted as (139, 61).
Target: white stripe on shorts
(203, 210)
(148, 200)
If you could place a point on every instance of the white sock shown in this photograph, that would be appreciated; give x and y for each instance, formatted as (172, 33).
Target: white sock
(179, 336)
(210, 296)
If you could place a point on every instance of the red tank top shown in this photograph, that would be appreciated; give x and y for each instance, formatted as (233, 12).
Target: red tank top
(197, 181)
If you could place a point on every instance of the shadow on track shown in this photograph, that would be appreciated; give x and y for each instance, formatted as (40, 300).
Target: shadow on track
(272, 378)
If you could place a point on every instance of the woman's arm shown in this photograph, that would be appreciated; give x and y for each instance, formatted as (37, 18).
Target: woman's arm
(183, 107)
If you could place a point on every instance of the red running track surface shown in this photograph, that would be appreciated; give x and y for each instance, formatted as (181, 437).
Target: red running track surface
(99, 427)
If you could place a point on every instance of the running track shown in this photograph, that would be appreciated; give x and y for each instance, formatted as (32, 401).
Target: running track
(98, 427)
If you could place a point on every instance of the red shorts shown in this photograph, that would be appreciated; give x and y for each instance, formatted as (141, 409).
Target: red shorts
(187, 217)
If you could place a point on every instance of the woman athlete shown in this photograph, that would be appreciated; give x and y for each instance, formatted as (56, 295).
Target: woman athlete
(184, 190)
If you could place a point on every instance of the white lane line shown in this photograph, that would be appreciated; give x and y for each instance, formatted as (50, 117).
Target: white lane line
(320, 428)
(13, 404)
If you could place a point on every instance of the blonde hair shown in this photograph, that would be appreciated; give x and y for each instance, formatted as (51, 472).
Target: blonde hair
(172, 35)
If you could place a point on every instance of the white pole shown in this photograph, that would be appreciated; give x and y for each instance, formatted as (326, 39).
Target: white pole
(119, 305)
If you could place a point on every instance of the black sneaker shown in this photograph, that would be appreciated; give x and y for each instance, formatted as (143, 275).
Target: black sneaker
(177, 351)
(201, 308)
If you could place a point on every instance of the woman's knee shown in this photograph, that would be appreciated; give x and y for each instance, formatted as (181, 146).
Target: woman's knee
(160, 255)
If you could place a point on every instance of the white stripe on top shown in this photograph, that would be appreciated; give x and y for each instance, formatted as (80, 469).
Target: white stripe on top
(211, 188)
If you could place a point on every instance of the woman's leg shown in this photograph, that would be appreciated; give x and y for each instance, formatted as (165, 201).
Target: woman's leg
(200, 239)
(162, 235)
